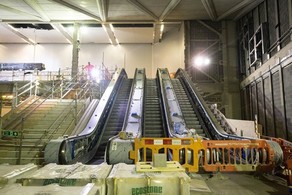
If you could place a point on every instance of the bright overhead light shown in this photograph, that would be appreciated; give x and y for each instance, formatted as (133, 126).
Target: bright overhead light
(104, 28)
(95, 74)
(207, 61)
(198, 61)
(117, 40)
(202, 61)
(10, 26)
(112, 27)
(162, 28)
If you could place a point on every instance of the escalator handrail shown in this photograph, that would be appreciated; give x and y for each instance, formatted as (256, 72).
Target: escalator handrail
(164, 105)
(93, 134)
(129, 102)
(204, 109)
(125, 123)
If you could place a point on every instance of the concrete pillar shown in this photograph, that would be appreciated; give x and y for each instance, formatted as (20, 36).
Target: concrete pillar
(75, 51)
(231, 93)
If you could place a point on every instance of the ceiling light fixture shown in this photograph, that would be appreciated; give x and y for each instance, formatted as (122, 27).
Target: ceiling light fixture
(109, 29)
(112, 27)
(162, 28)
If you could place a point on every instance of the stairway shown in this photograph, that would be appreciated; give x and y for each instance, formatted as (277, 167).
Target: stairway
(50, 120)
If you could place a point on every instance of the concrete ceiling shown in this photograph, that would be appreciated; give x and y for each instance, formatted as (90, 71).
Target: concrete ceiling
(107, 21)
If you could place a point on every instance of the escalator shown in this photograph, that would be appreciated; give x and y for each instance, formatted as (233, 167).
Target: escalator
(153, 123)
(115, 122)
(189, 114)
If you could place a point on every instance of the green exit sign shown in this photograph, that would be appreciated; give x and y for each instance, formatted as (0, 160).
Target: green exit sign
(9, 133)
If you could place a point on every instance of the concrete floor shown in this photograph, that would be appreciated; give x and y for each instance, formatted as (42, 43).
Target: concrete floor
(237, 183)
(202, 184)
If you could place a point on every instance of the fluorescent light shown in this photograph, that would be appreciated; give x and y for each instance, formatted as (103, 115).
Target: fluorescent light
(117, 41)
(162, 28)
(112, 27)
(10, 26)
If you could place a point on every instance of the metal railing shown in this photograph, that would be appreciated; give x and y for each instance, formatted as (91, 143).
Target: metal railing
(82, 95)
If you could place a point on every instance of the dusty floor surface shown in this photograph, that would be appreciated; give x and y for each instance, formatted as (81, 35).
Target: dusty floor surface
(237, 184)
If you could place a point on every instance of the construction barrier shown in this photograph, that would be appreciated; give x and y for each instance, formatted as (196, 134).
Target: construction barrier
(183, 150)
(237, 155)
(211, 155)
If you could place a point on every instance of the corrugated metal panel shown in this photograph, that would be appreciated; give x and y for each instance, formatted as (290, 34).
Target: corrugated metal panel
(245, 103)
(278, 106)
(269, 107)
(261, 107)
(254, 101)
(250, 24)
(256, 22)
(262, 13)
(284, 20)
(287, 72)
(272, 20)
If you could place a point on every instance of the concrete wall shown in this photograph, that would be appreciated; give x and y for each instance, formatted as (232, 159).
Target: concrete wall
(169, 53)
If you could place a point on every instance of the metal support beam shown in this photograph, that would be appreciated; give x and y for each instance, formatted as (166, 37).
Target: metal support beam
(35, 6)
(10, 28)
(290, 15)
(234, 9)
(210, 28)
(170, 7)
(75, 50)
(102, 6)
(213, 44)
(60, 28)
(247, 8)
(78, 9)
(209, 76)
(158, 32)
(143, 9)
(107, 28)
(210, 8)
(13, 10)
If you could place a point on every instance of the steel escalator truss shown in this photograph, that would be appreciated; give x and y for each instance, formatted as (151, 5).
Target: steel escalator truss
(175, 123)
(119, 146)
(213, 127)
(181, 120)
(82, 147)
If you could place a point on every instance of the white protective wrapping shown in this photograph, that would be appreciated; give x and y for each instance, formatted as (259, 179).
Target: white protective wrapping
(52, 189)
(10, 173)
(124, 179)
(70, 175)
